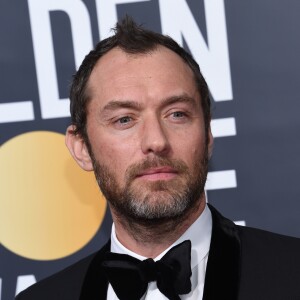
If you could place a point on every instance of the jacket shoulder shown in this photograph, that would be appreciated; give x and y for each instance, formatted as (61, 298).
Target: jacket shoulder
(64, 285)
(261, 241)
(270, 262)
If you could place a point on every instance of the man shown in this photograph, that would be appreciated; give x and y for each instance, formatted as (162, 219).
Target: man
(141, 121)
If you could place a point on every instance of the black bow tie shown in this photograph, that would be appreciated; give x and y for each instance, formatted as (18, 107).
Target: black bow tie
(129, 276)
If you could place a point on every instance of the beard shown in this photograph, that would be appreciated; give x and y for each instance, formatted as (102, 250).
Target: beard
(153, 202)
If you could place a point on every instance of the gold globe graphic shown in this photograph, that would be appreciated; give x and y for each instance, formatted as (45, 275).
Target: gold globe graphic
(49, 208)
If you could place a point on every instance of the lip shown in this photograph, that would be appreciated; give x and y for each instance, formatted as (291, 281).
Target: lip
(160, 173)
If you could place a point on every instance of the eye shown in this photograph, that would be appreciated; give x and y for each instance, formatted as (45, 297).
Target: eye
(124, 120)
(178, 114)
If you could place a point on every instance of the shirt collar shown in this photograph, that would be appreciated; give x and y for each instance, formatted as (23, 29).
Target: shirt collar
(199, 233)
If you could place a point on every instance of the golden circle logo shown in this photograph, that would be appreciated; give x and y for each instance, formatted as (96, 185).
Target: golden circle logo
(50, 208)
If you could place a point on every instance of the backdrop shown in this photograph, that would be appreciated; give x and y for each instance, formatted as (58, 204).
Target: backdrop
(52, 213)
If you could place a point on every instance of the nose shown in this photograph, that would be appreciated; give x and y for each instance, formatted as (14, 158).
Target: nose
(154, 137)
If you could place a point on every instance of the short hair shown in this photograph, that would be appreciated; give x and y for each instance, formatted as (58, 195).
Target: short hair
(132, 39)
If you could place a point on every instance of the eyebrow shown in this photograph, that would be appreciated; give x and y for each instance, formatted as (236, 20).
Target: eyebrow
(184, 98)
(117, 104)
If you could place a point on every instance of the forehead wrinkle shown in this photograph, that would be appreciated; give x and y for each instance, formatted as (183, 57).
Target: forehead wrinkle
(116, 104)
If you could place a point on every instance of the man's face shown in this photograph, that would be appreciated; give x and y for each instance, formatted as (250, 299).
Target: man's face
(146, 131)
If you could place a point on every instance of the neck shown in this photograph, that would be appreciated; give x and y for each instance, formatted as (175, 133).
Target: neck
(151, 240)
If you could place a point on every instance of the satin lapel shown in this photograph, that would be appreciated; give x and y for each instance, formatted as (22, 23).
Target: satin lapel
(223, 266)
(95, 283)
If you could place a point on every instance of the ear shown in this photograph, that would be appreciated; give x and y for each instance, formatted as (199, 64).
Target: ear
(210, 145)
(78, 149)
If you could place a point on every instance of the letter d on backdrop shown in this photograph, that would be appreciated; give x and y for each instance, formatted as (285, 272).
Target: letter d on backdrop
(51, 105)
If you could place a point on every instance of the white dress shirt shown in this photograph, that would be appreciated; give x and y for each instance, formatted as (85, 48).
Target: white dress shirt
(199, 233)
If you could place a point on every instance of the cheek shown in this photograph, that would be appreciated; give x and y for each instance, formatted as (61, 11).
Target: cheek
(109, 154)
(192, 150)
(109, 150)
(115, 155)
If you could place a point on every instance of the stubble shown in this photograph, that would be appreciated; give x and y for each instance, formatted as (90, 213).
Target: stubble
(153, 208)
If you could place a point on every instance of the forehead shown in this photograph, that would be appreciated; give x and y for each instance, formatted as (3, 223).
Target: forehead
(158, 73)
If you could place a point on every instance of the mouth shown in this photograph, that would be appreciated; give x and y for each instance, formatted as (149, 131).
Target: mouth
(159, 173)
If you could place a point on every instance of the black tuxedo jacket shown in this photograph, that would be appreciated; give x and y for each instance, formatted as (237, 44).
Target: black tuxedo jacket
(243, 263)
